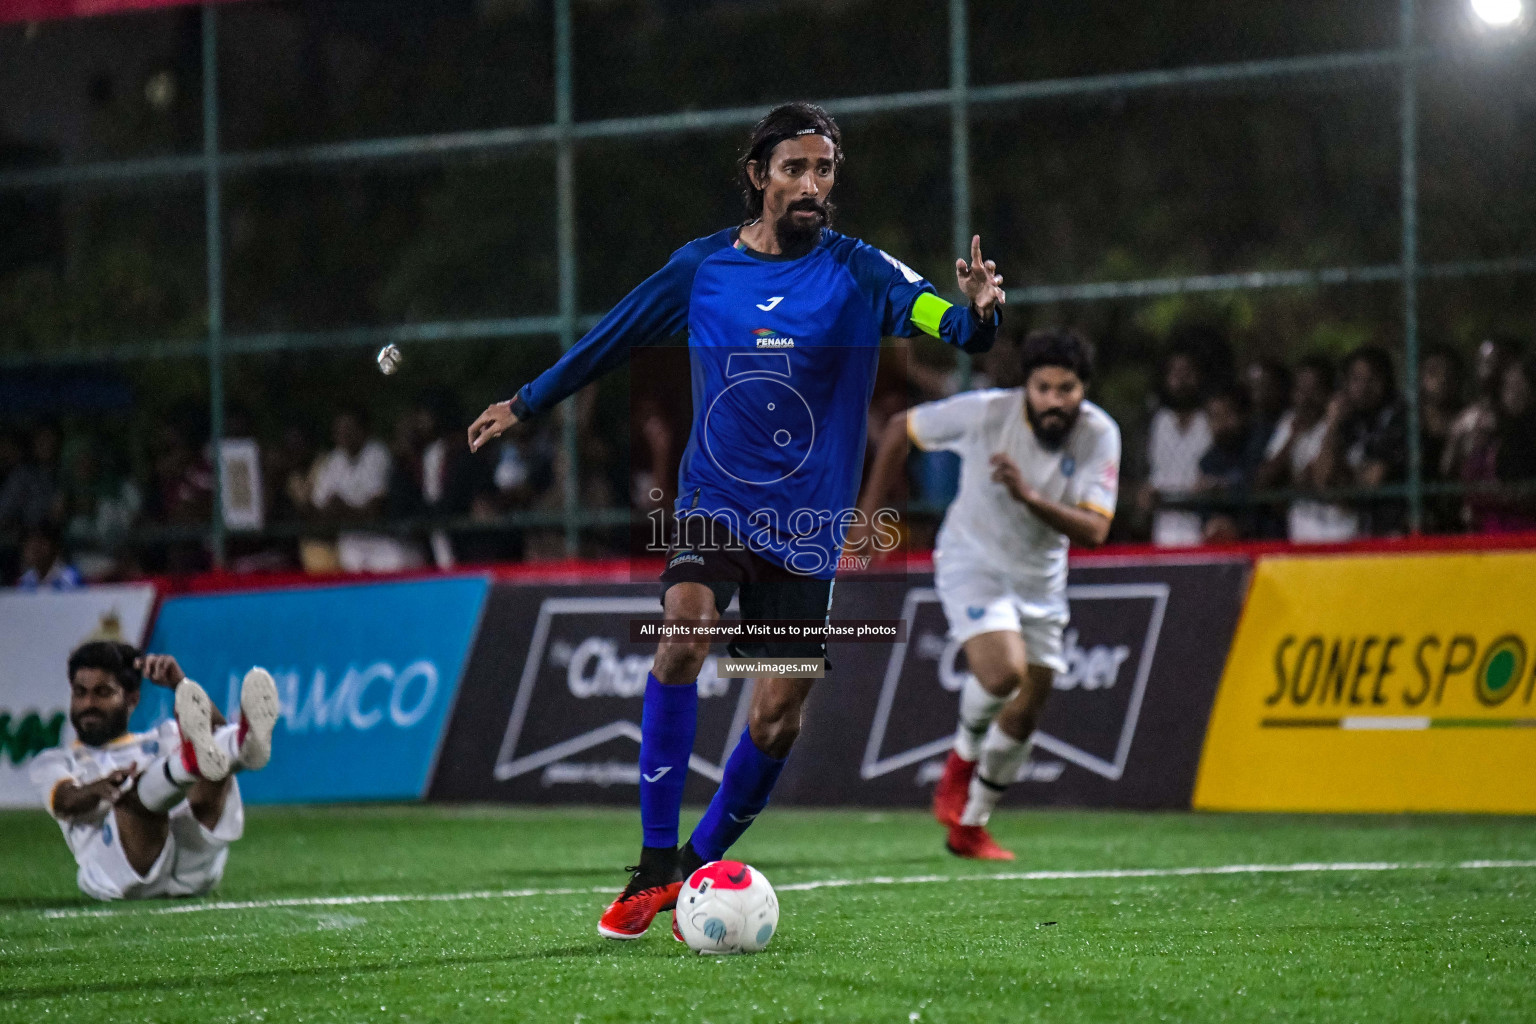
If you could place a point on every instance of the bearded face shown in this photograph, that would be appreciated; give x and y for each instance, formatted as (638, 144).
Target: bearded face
(1053, 399)
(799, 226)
(99, 707)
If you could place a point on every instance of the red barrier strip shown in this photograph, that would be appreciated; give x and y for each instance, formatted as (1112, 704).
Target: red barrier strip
(48, 10)
(624, 570)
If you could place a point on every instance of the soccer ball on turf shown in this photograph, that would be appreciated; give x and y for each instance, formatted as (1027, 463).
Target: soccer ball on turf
(727, 907)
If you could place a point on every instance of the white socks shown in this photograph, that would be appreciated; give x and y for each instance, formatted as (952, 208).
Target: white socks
(165, 782)
(997, 767)
(228, 737)
(977, 710)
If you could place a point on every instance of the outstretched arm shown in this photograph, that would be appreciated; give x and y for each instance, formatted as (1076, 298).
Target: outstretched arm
(655, 310)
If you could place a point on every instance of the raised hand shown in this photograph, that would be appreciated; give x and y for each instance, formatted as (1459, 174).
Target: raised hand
(980, 281)
(160, 669)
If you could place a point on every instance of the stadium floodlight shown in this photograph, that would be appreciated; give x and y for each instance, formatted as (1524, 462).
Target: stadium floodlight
(1498, 13)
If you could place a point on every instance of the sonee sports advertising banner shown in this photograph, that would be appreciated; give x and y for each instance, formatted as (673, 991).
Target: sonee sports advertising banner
(1380, 683)
(551, 702)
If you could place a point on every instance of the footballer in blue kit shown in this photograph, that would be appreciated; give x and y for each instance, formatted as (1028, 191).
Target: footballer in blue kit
(784, 318)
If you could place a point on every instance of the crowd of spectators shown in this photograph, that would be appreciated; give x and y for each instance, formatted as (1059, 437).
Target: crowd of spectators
(1309, 452)
(1334, 436)
(71, 510)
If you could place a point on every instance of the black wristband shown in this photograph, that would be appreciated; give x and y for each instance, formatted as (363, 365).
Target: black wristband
(520, 408)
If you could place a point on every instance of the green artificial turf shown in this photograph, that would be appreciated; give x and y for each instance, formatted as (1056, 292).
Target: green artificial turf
(1436, 943)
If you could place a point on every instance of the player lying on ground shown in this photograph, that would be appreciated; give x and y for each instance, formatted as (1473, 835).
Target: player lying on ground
(151, 814)
(1039, 470)
(819, 302)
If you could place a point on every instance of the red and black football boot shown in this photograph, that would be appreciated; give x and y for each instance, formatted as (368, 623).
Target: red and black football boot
(687, 862)
(974, 843)
(652, 888)
(954, 788)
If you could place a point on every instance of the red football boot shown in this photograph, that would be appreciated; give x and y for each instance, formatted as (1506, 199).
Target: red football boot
(954, 788)
(650, 891)
(974, 843)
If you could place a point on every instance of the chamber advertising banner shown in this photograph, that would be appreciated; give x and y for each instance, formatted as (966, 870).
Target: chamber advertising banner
(37, 633)
(550, 710)
(1379, 683)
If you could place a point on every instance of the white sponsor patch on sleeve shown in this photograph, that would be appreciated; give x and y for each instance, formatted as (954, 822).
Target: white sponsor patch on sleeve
(912, 276)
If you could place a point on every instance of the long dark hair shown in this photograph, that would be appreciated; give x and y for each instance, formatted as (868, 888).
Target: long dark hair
(785, 121)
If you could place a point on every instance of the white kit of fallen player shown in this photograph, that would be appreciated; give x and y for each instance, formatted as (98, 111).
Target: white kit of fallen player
(1040, 469)
(151, 814)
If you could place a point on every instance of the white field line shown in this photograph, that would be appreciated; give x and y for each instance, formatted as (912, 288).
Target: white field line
(825, 883)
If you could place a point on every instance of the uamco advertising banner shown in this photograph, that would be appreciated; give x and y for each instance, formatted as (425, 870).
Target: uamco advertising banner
(367, 675)
(37, 633)
(1379, 683)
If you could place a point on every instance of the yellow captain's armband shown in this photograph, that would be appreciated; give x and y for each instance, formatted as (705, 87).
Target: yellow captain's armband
(927, 312)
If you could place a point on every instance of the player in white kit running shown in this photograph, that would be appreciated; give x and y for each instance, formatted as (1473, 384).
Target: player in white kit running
(1040, 470)
(151, 814)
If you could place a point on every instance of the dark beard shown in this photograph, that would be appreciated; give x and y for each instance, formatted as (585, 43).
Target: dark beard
(103, 730)
(791, 236)
(1053, 434)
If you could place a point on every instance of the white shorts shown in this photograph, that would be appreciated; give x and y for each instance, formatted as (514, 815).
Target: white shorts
(979, 602)
(191, 863)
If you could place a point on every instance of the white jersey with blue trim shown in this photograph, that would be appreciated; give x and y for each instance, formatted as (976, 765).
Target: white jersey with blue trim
(82, 765)
(985, 528)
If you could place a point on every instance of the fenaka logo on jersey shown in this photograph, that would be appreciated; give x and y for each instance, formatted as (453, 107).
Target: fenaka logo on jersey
(576, 714)
(1089, 722)
(767, 337)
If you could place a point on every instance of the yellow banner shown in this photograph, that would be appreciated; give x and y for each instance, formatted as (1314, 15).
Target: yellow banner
(1379, 683)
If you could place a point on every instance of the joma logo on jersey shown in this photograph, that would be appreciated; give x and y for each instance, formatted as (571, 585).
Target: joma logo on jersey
(769, 338)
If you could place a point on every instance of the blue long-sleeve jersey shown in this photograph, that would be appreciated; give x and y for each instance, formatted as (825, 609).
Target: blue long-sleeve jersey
(783, 354)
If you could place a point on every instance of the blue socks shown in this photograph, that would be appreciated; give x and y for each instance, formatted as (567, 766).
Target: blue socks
(749, 778)
(667, 727)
